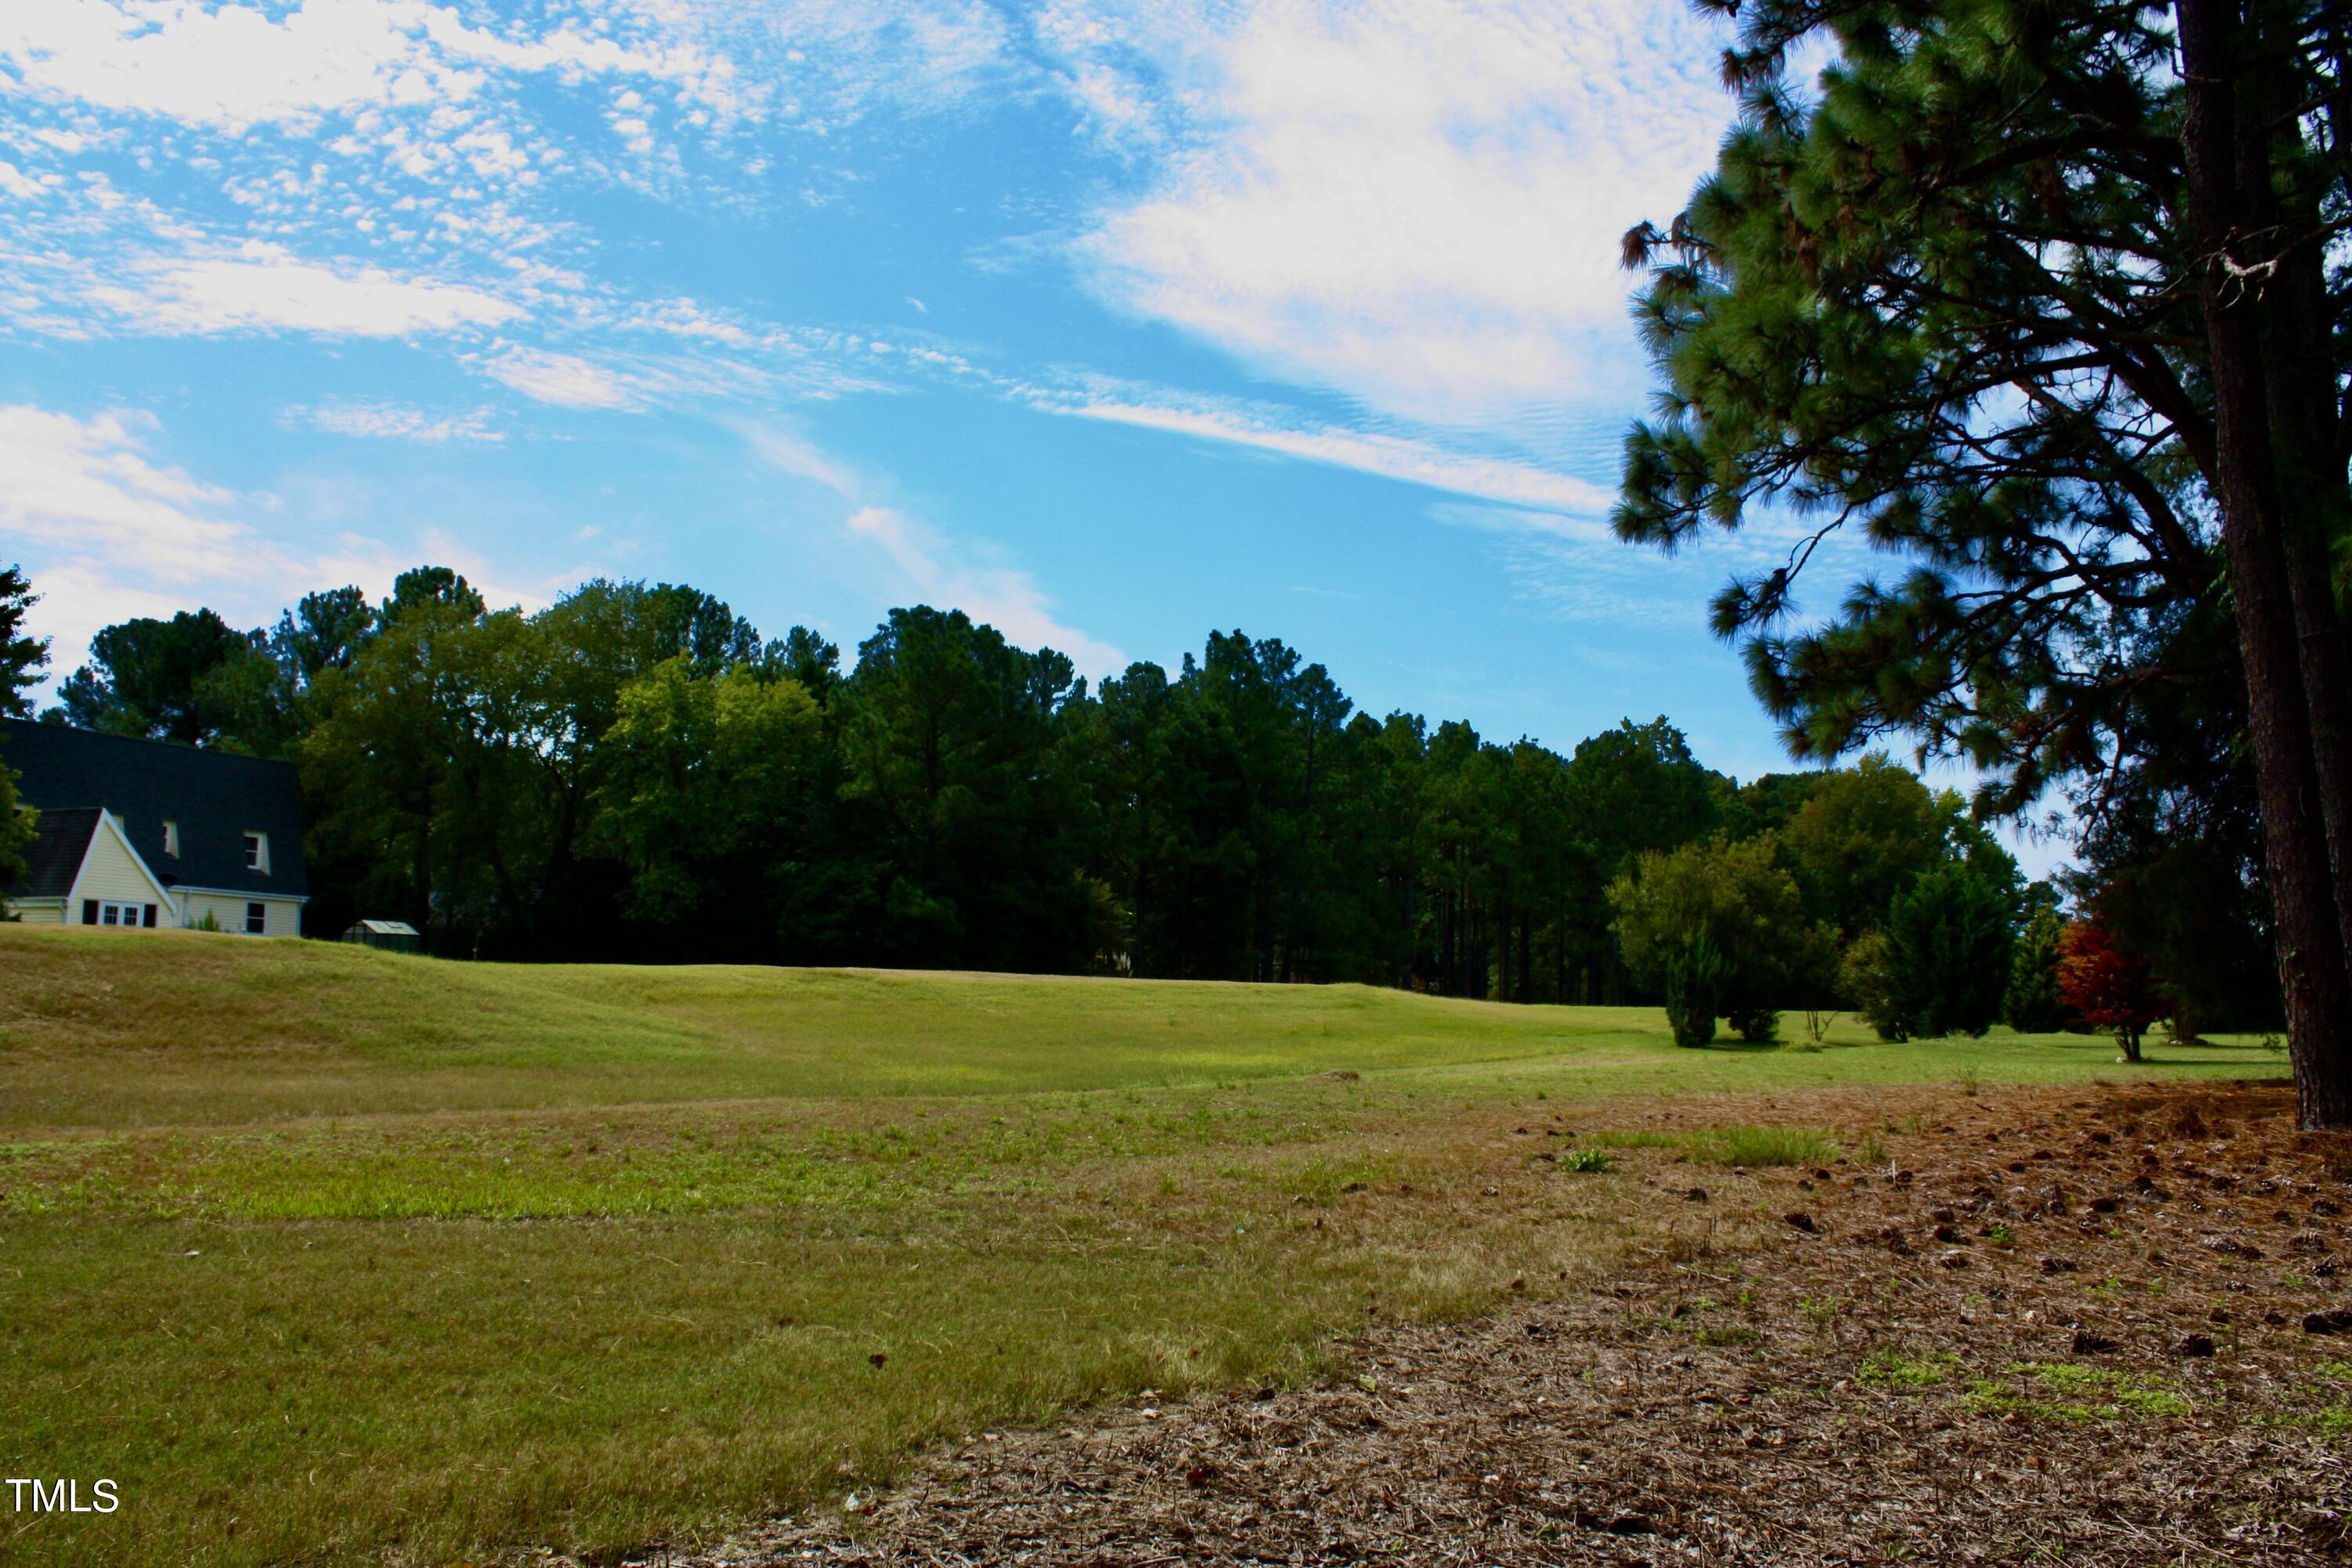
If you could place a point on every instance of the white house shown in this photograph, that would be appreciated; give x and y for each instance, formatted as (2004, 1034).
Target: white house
(144, 834)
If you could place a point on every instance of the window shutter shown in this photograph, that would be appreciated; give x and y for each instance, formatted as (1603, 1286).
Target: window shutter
(151, 917)
(90, 911)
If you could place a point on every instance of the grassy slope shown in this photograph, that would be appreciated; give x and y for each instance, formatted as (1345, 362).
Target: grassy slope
(327, 1254)
(181, 1029)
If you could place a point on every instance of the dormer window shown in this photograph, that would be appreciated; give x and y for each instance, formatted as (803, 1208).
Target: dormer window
(256, 853)
(172, 839)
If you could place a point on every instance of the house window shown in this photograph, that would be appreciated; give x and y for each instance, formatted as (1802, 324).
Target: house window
(256, 853)
(172, 839)
(111, 913)
(257, 920)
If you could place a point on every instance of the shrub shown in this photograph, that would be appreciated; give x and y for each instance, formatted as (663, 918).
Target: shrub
(1696, 979)
(1866, 980)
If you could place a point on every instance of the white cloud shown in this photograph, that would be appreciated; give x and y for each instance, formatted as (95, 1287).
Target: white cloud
(1003, 597)
(229, 66)
(564, 380)
(782, 450)
(106, 532)
(1417, 202)
(396, 421)
(85, 487)
(1392, 456)
(14, 181)
(923, 565)
(264, 288)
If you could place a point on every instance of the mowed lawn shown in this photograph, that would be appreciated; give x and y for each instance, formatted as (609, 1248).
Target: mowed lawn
(326, 1254)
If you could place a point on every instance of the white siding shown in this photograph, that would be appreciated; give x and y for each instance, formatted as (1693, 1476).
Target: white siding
(109, 871)
(284, 917)
(36, 913)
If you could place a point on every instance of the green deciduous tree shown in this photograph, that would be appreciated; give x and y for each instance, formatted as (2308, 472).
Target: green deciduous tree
(1867, 980)
(708, 797)
(1738, 899)
(1862, 838)
(194, 678)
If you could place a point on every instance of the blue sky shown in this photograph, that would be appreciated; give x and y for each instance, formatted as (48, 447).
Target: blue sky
(1107, 323)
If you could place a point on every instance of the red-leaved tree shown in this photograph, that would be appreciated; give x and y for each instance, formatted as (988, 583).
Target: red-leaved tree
(2106, 986)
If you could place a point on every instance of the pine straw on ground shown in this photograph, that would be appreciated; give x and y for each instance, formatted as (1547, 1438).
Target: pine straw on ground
(2063, 1326)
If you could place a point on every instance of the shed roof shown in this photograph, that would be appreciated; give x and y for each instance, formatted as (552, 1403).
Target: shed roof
(216, 797)
(385, 928)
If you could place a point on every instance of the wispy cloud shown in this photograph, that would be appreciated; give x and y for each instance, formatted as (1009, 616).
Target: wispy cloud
(265, 288)
(1416, 202)
(921, 563)
(1411, 461)
(396, 422)
(788, 453)
(565, 380)
(86, 486)
(1003, 596)
(232, 66)
(107, 531)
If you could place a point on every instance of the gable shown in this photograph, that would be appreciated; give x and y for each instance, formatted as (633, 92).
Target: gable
(111, 869)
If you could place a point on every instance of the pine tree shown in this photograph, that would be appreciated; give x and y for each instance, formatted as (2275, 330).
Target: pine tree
(2029, 306)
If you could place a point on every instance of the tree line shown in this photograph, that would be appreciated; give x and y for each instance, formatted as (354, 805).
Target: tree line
(635, 773)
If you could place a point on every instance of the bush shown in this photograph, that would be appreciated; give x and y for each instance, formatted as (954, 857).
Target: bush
(1948, 944)
(1866, 980)
(1696, 979)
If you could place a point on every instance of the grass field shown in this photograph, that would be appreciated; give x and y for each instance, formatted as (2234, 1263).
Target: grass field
(329, 1254)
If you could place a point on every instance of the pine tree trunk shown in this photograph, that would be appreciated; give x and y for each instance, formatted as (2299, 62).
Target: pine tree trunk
(2309, 930)
(2308, 483)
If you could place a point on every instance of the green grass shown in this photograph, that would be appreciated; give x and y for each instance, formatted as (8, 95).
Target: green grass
(1890, 1368)
(182, 1029)
(2086, 1393)
(1764, 1146)
(334, 1255)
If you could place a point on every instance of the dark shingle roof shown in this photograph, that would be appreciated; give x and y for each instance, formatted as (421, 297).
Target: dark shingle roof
(59, 841)
(214, 796)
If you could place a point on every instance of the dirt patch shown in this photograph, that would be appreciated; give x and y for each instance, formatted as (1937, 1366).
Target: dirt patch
(2094, 1327)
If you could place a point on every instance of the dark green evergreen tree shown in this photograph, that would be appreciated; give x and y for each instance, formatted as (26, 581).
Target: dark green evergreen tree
(2031, 1004)
(1948, 953)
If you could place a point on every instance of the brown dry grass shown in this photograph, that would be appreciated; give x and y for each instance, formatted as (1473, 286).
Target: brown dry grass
(2104, 1360)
